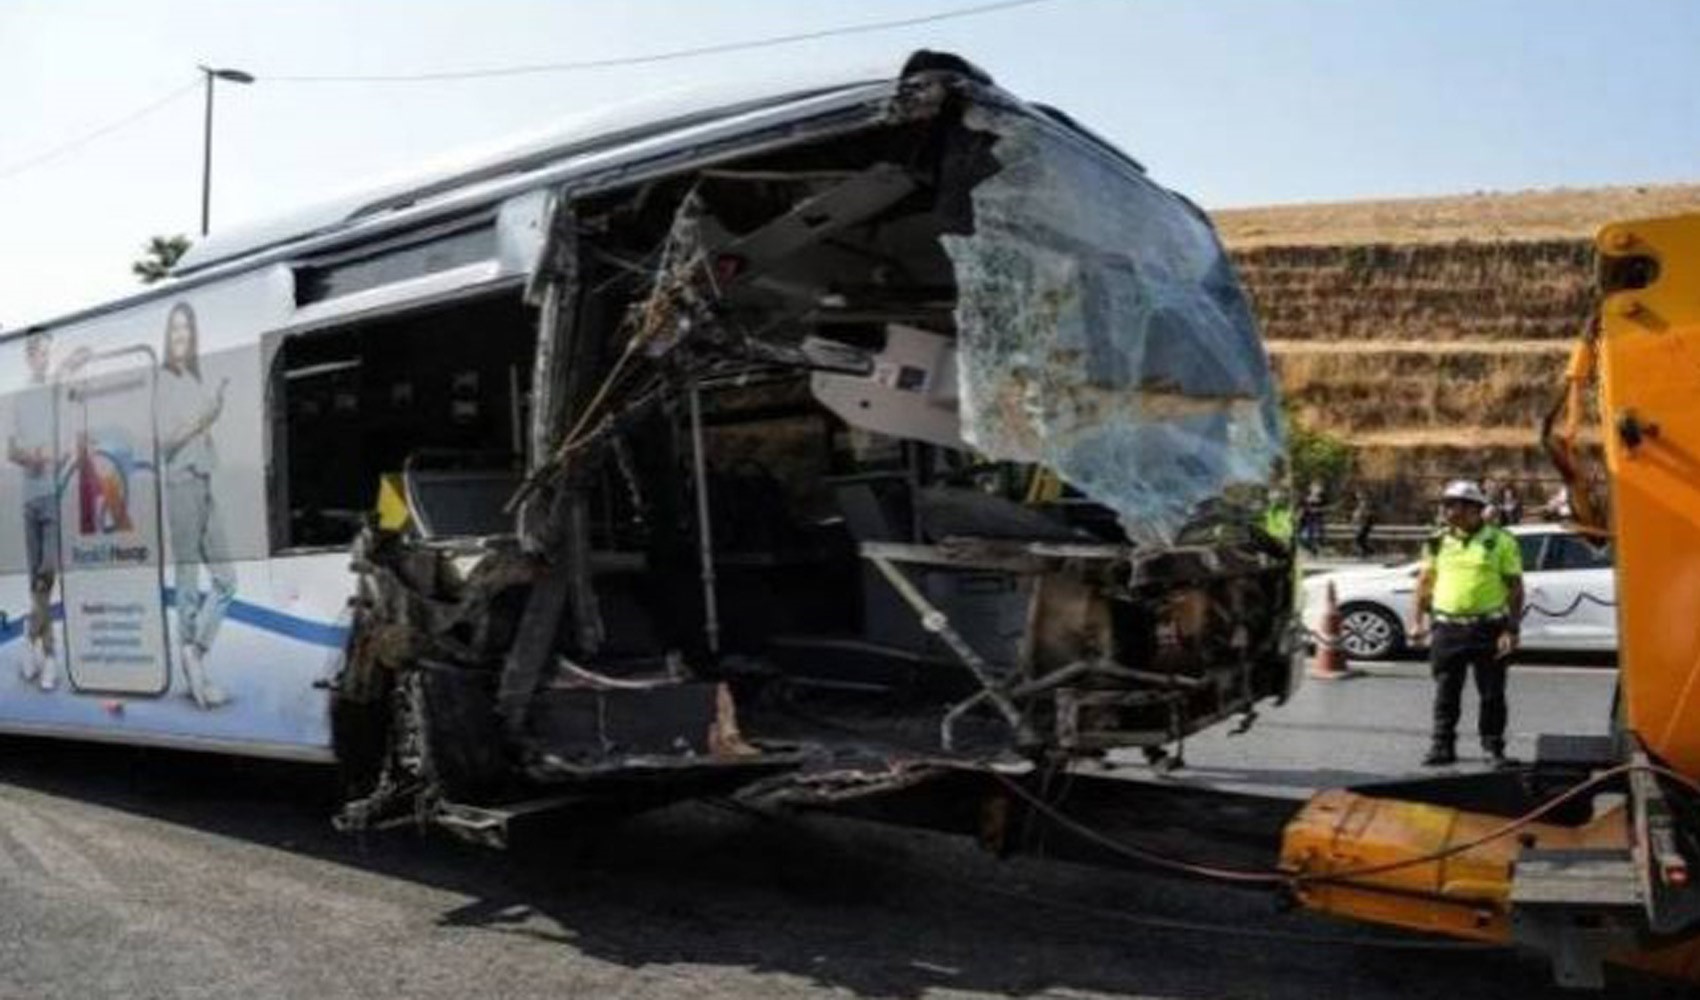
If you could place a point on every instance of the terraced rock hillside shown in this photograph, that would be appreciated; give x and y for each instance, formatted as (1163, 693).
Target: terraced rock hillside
(1431, 333)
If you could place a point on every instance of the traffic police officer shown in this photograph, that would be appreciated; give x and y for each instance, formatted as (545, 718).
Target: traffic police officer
(1471, 587)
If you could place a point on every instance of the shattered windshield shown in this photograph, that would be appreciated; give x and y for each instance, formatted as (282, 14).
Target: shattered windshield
(1106, 337)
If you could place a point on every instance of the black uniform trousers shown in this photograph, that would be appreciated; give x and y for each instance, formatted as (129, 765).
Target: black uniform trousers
(1460, 649)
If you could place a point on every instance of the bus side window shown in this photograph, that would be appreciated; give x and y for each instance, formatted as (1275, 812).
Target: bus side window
(437, 390)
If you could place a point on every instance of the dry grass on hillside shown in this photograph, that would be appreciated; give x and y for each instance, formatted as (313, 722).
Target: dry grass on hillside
(1430, 334)
(1564, 213)
(1415, 392)
(1411, 470)
(1530, 290)
(1362, 348)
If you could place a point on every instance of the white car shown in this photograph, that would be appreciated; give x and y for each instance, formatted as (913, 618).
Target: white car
(1570, 598)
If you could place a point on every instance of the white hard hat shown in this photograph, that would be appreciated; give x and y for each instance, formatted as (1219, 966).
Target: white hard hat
(1465, 490)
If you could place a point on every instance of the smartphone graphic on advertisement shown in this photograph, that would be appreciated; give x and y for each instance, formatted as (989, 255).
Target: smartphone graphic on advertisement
(111, 537)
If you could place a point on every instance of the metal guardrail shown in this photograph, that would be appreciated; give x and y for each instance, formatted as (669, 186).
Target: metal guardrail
(1345, 532)
(1384, 539)
(1387, 536)
(1335, 531)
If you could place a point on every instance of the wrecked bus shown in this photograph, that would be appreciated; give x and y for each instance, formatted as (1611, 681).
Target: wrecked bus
(814, 445)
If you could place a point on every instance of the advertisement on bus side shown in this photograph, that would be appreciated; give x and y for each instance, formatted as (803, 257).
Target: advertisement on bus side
(140, 596)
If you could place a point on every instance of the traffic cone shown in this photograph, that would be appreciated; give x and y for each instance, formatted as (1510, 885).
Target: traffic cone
(1330, 661)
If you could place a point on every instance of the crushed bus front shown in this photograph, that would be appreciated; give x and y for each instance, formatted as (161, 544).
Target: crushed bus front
(857, 454)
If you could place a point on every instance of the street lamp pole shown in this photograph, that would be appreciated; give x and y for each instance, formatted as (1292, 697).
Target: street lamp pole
(233, 76)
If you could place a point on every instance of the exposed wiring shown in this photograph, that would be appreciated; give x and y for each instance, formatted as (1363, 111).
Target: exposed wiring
(1272, 877)
(1507, 828)
(577, 435)
(1230, 930)
(668, 55)
(1275, 876)
(12, 169)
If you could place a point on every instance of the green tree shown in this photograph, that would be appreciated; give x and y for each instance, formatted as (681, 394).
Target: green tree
(159, 256)
(1316, 455)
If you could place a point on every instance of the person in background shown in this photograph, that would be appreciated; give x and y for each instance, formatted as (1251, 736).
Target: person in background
(1471, 587)
(1311, 512)
(1363, 521)
(1510, 506)
(1557, 507)
(1490, 513)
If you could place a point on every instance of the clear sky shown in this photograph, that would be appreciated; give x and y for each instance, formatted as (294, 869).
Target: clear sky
(1234, 102)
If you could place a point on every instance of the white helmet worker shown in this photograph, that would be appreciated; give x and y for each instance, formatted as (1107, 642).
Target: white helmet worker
(1464, 490)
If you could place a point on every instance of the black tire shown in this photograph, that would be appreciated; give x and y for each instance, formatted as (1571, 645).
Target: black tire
(1370, 632)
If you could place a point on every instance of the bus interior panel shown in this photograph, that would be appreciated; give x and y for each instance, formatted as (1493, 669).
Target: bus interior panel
(441, 391)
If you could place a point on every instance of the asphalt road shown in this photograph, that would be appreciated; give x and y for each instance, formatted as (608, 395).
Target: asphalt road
(131, 874)
(1376, 725)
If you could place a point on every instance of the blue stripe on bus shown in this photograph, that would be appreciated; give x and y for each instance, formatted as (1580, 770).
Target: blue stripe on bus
(11, 628)
(328, 634)
(288, 625)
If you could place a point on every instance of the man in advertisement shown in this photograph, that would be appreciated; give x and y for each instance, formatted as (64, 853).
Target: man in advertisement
(32, 447)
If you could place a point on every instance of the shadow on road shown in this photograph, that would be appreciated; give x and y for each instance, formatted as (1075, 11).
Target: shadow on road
(1525, 658)
(1217, 775)
(874, 911)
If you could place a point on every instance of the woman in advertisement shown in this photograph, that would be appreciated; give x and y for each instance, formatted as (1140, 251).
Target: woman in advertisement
(187, 411)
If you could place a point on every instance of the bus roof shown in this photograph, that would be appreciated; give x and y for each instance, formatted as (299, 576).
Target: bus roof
(642, 119)
(606, 139)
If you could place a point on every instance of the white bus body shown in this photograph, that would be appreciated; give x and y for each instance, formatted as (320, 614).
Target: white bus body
(201, 455)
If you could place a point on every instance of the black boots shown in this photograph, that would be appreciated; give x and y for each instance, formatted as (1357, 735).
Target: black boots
(1495, 750)
(1440, 754)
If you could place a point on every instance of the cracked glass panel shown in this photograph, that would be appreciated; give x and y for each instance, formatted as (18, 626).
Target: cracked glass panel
(1103, 334)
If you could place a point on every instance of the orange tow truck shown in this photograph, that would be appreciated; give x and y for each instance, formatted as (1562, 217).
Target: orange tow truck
(1586, 855)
